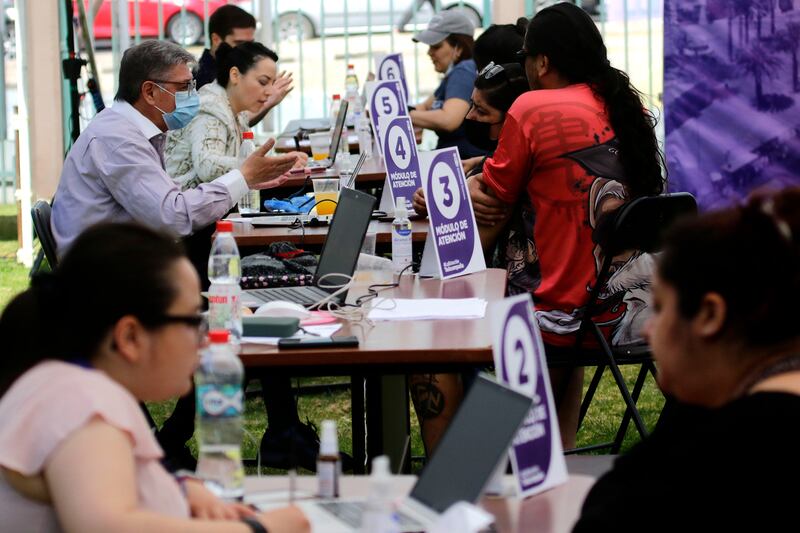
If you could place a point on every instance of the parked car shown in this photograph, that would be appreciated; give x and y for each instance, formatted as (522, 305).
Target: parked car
(306, 20)
(185, 30)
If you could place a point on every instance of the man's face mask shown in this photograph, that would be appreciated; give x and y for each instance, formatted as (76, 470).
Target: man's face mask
(187, 103)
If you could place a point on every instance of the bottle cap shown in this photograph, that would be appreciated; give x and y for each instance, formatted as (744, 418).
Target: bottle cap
(218, 336)
(329, 441)
(351, 66)
(380, 467)
(247, 135)
(400, 207)
(224, 226)
(337, 96)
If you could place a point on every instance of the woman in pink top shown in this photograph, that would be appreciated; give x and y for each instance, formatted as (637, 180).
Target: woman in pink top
(117, 324)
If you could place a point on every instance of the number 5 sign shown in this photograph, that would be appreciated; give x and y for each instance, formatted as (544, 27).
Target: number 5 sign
(386, 100)
(390, 67)
(519, 359)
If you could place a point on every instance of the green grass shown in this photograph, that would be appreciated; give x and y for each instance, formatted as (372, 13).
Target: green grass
(600, 425)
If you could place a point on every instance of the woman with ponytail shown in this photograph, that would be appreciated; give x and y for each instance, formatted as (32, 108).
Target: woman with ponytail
(117, 324)
(247, 82)
(575, 147)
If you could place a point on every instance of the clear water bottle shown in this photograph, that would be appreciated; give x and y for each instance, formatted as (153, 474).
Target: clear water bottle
(379, 515)
(351, 93)
(364, 133)
(329, 465)
(224, 273)
(218, 385)
(336, 104)
(250, 202)
(401, 236)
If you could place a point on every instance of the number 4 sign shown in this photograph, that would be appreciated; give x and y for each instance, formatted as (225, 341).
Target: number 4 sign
(402, 162)
(536, 455)
(453, 247)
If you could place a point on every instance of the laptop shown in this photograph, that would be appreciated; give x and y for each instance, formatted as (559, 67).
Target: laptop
(335, 138)
(465, 459)
(339, 254)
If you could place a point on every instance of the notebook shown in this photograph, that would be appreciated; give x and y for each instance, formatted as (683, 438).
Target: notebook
(339, 254)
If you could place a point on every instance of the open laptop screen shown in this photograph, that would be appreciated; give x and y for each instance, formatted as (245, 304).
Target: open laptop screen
(345, 236)
(336, 136)
(470, 450)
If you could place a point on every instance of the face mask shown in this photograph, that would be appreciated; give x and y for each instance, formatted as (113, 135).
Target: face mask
(186, 106)
(478, 134)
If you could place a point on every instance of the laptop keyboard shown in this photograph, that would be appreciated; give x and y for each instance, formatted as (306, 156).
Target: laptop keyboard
(351, 514)
(299, 295)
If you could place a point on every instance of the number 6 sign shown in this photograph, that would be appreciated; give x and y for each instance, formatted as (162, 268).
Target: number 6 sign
(536, 455)
(390, 67)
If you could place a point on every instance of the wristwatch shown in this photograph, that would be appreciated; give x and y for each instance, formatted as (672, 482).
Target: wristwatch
(255, 525)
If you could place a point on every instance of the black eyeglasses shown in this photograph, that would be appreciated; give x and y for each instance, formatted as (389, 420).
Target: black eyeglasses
(491, 70)
(198, 322)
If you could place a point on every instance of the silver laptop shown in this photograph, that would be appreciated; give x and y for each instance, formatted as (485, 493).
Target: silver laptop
(339, 255)
(336, 136)
(465, 459)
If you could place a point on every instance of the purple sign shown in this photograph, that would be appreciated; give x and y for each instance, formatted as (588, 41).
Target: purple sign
(391, 68)
(522, 367)
(450, 212)
(400, 154)
(731, 97)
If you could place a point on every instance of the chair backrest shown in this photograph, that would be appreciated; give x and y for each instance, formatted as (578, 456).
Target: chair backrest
(637, 225)
(40, 213)
(640, 224)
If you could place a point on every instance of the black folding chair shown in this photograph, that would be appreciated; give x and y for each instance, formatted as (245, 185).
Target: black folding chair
(40, 213)
(637, 225)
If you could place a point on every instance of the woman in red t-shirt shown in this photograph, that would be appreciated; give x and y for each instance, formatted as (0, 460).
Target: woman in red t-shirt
(575, 147)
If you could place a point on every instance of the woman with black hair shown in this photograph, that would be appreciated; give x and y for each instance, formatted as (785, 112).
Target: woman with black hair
(76, 452)
(575, 147)
(209, 146)
(499, 44)
(725, 337)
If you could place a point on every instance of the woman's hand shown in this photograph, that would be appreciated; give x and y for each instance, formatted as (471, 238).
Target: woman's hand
(203, 504)
(281, 87)
(418, 202)
(287, 520)
(488, 209)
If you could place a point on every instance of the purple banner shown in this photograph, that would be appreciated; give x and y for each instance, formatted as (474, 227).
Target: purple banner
(522, 363)
(450, 212)
(731, 97)
(402, 162)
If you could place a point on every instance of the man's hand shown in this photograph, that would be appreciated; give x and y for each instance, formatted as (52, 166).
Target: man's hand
(285, 520)
(263, 171)
(302, 159)
(472, 162)
(418, 201)
(488, 209)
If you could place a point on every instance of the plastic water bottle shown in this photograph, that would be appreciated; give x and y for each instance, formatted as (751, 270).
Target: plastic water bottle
(351, 93)
(364, 135)
(224, 272)
(379, 515)
(336, 104)
(250, 202)
(401, 236)
(329, 466)
(218, 385)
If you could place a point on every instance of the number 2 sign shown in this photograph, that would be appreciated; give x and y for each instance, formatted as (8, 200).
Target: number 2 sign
(536, 455)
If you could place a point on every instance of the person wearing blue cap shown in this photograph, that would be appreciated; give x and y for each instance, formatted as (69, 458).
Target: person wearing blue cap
(450, 42)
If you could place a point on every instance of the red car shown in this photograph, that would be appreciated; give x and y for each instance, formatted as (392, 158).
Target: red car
(183, 30)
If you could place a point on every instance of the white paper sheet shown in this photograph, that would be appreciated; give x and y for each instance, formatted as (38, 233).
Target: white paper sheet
(428, 309)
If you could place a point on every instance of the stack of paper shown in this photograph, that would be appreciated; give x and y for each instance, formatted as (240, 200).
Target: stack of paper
(427, 309)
